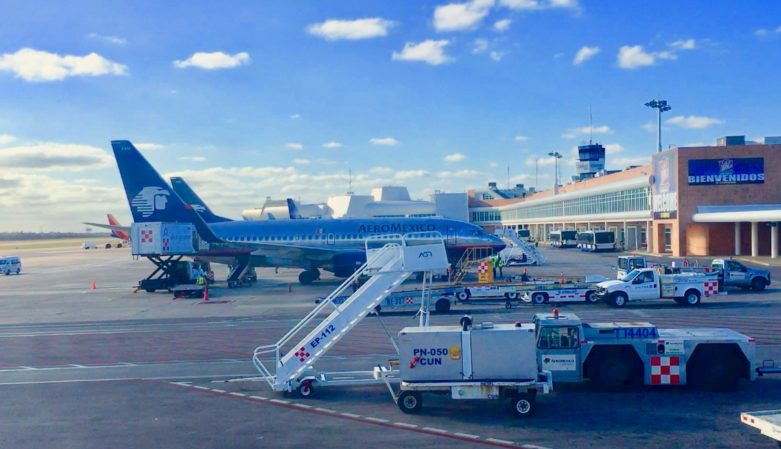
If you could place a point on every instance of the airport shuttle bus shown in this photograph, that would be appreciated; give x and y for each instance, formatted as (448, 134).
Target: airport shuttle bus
(594, 241)
(563, 239)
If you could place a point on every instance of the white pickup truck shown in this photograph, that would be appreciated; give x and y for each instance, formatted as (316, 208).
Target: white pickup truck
(649, 284)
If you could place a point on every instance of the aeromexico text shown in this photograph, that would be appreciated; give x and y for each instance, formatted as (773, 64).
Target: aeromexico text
(396, 227)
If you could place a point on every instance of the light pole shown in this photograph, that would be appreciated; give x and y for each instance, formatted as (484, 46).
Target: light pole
(556, 156)
(661, 106)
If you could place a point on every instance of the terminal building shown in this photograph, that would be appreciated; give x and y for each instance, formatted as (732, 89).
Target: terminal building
(689, 201)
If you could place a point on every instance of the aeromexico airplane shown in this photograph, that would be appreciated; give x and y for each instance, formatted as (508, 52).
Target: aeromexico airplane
(335, 245)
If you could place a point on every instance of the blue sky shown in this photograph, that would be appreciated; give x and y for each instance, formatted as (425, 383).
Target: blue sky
(251, 99)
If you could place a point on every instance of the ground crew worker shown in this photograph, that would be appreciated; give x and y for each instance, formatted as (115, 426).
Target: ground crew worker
(500, 265)
(201, 280)
(494, 262)
(525, 275)
(356, 284)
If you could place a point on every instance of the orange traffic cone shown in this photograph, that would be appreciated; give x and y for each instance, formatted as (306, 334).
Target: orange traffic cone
(94, 286)
(206, 292)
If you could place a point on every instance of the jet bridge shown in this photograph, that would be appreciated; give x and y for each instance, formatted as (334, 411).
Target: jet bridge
(391, 259)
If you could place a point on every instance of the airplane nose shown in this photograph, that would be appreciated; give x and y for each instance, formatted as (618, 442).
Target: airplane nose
(497, 243)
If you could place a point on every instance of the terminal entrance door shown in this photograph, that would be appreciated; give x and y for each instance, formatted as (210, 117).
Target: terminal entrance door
(631, 238)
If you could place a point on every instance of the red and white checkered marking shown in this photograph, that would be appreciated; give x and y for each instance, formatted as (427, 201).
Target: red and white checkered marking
(166, 244)
(711, 288)
(146, 236)
(665, 370)
(482, 267)
(302, 354)
(409, 300)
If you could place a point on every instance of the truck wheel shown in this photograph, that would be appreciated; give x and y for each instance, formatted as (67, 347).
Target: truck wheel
(306, 389)
(758, 284)
(716, 374)
(692, 298)
(681, 301)
(613, 372)
(463, 295)
(618, 299)
(150, 290)
(442, 305)
(591, 297)
(512, 296)
(524, 405)
(539, 298)
(410, 401)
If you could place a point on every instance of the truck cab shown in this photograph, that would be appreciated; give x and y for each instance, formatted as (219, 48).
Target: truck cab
(10, 264)
(626, 264)
(733, 273)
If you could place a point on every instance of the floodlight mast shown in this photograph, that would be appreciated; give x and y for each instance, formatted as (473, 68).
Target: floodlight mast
(556, 155)
(660, 106)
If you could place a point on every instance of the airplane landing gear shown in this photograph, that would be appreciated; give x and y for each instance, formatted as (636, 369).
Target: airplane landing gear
(309, 276)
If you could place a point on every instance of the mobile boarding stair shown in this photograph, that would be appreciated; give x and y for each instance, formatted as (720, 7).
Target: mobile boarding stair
(388, 266)
(510, 235)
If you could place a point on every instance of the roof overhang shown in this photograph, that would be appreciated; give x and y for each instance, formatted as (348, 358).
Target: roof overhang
(736, 213)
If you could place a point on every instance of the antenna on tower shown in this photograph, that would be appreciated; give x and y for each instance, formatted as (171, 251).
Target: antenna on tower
(590, 124)
(350, 181)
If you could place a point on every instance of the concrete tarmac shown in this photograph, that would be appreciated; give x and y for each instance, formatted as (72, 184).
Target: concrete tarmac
(112, 368)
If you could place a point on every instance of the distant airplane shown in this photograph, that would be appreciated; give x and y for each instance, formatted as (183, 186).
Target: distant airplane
(333, 245)
(117, 230)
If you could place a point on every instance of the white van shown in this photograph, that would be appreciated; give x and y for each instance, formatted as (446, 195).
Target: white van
(11, 264)
(89, 245)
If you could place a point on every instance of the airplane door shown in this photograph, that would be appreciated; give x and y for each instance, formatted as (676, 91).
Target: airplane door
(330, 238)
(451, 236)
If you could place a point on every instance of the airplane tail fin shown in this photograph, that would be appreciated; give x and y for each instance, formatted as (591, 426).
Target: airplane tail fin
(115, 231)
(190, 197)
(291, 206)
(149, 196)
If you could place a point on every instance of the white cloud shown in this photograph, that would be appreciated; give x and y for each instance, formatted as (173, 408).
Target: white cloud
(693, 121)
(108, 39)
(295, 116)
(39, 66)
(763, 32)
(299, 161)
(381, 170)
(584, 54)
(459, 174)
(479, 46)
(213, 60)
(539, 4)
(429, 51)
(332, 145)
(461, 16)
(50, 156)
(192, 158)
(502, 25)
(147, 146)
(295, 146)
(521, 139)
(634, 57)
(586, 130)
(540, 161)
(410, 174)
(368, 28)
(455, 157)
(387, 141)
(6, 139)
(631, 160)
(496, 55)
(614, 148)
(687, 44)
(649, 127)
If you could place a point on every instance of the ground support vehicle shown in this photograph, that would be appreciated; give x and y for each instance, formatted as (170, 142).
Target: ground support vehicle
(547, 292)
(767, 421)
(732, 273)
(10, 264)
(169, 274)
(387, 267)
(462, 361)
(615, 354)
(595, 241)
(649, 284)
(563, 239)
(188, 291)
